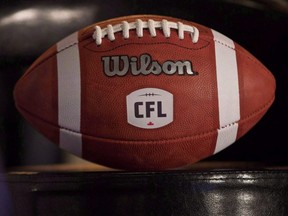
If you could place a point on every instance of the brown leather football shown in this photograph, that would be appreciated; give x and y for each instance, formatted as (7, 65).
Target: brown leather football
(145, 92)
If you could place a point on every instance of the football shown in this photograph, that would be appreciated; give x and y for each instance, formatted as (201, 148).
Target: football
(145, 92)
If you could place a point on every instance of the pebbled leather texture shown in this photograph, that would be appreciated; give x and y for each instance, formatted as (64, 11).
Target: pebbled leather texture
(235, 192)
(260, 27)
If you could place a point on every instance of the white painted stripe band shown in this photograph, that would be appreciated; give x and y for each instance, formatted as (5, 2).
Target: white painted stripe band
(69, 93)
(226, 136)
(228, 90)
(71, 142)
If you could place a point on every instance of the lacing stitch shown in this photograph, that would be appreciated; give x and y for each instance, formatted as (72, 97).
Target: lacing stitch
(140, 25)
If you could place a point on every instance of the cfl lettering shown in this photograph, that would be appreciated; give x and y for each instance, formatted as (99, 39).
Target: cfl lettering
(149, 107)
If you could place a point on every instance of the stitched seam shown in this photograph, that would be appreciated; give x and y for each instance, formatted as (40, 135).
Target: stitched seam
(161, 140)
(48, 57)
(66, 47)
(246, 56)
(76, 43)
(156, 43)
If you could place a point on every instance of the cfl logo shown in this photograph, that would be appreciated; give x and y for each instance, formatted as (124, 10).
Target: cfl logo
(149, 108)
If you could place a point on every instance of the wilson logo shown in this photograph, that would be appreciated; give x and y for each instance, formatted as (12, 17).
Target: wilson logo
(149, 108)
(121, 65)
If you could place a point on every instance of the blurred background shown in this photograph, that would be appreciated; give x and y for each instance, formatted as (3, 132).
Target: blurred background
(28, 28)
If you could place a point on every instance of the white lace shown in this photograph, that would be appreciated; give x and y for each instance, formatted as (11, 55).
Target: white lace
(140, 25)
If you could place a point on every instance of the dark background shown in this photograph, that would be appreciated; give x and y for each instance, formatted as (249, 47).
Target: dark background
(28, 28)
